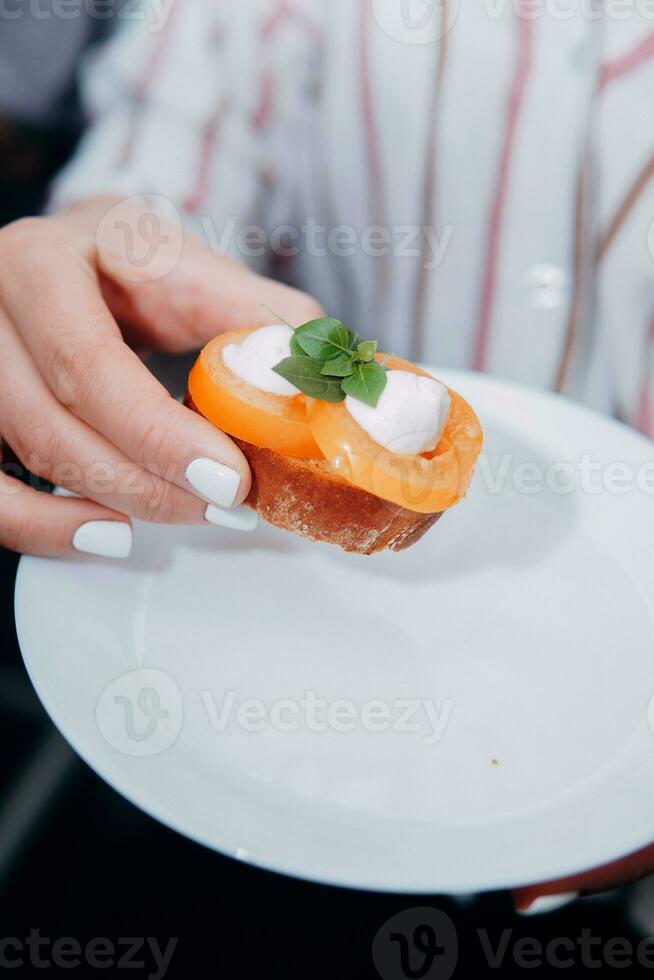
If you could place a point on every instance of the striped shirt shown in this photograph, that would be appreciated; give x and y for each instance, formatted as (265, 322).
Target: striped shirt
(471, 183)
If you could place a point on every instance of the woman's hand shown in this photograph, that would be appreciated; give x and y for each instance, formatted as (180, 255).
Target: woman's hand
(77, 405)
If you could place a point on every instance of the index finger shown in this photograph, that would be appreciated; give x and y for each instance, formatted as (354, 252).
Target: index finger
(172, 290)
(77, 347)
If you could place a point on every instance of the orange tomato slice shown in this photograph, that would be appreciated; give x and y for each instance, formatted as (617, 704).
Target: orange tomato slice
(428, 483)
(276, 422)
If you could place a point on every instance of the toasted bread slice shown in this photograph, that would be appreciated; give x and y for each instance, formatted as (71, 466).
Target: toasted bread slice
(306, 496)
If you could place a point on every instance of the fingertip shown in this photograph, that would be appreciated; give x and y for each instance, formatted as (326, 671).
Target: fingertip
(104, 538)
(36, 523)
(234, 518)
(238, 460)
(223, 484)
(64, 492)
(95, 529)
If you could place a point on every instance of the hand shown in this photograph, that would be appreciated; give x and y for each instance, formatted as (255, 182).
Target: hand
(604, 878)
(77, 405)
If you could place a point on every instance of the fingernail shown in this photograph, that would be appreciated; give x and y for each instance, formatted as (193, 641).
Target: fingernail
(63, 492)
(549, 903)
(238, 519)
(107, 539)
(215, 481)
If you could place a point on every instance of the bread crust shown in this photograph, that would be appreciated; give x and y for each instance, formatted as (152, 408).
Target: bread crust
(307, 497)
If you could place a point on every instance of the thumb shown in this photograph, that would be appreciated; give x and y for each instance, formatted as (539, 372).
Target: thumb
(168, 289)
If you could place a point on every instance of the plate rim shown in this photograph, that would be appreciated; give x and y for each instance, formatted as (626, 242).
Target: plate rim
(157, 811)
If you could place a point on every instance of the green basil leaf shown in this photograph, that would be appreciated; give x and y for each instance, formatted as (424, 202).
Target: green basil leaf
(367, 350)
(304, 373)
(339, 367)
(367, 384)
(355, 340)
(296, 350)
(323, 339)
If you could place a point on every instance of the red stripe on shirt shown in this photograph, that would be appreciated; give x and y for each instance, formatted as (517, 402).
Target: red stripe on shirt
(369, 122)
(144, 84)
(207, 146)
(373, 158)
(261, 114)
(579, 268)
(514, 107)
(284, 10)
(429, 186)
(155, 57)
(614, 69)
(625, 208)
(645, 413)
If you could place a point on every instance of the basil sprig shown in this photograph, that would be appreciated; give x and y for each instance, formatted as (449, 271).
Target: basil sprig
(329, 361)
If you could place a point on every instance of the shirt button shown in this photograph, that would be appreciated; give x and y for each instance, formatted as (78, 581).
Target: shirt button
(547, 286)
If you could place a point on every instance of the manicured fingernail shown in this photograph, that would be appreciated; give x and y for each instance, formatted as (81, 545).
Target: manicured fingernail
(62, 492)
(215, 481)
(238, 519)
(549, 903)
(107, 539)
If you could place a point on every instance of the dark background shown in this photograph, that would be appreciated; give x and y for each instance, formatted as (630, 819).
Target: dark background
(76, 860)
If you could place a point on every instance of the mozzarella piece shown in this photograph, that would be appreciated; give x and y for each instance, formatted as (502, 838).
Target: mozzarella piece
(255, 357)
(410, 416)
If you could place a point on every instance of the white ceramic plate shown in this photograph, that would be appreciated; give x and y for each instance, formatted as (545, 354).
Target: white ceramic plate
(486, 693)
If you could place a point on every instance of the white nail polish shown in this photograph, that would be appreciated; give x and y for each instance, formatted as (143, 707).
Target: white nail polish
(549, 903)
(215, 481)
(238, 519)
(107, 539)
(62, 492)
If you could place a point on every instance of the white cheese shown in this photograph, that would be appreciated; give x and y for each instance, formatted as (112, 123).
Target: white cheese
(410, 416)
(255, 357)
